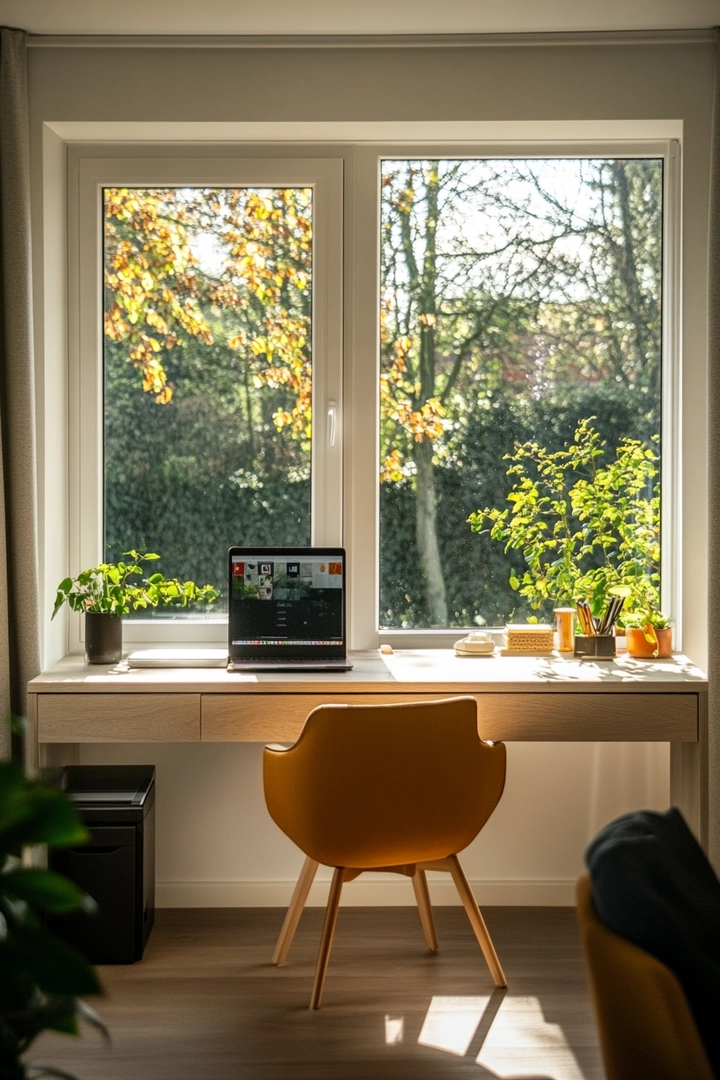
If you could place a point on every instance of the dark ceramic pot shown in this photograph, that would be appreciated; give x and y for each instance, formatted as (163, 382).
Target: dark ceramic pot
(103, 637)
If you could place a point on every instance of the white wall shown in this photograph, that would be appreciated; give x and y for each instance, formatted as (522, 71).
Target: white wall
(216, 844)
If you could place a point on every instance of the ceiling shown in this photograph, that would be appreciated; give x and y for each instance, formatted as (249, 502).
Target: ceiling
(337, 17)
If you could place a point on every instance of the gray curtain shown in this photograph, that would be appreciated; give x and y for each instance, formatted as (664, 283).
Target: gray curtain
(714, 467)
(19, 609)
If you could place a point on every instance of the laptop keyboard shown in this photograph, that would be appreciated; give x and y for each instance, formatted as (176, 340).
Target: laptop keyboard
(292, 663)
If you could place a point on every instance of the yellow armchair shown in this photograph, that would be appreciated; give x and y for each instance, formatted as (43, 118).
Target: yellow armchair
(647, 1031)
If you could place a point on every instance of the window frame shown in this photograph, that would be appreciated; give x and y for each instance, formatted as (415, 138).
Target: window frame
(349, 361)
(88, 174)
(362, 526)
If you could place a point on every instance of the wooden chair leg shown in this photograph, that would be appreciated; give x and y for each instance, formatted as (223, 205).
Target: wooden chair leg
(422, 896)
(295, 910)
(328, 931)
(476, 920)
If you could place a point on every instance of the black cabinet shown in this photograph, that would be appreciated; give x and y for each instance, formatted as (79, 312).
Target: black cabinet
(117, 864)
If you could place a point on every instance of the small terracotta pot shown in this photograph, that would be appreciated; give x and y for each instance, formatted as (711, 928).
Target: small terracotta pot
(639, 646)
(103, 637)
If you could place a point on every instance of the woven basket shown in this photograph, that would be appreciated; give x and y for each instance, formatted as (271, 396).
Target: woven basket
(529, 637)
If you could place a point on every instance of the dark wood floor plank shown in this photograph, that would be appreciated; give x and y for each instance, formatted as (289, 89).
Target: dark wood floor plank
(206, 1002)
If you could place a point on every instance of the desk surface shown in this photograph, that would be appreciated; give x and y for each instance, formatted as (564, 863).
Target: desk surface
(426, 670)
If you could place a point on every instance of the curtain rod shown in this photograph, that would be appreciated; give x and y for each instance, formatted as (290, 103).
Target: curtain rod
(367, 41)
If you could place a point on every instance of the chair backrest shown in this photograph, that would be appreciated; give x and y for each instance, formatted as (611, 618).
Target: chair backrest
(383, 785)
(646, 1027)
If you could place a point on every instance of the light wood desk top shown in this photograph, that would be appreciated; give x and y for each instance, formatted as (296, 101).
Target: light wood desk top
(535, 699)
(433, 670)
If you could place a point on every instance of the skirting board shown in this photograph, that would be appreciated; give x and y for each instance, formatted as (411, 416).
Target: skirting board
(361, 893)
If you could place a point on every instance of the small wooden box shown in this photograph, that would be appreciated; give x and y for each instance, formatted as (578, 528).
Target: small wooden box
(529, 637)
(597, 648)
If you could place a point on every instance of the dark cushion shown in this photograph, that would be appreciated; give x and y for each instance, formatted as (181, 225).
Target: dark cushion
(653, 885)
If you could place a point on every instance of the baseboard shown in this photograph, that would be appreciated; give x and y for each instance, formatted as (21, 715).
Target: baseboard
(365, 892)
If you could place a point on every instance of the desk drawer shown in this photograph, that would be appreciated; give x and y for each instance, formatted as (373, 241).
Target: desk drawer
(276, 717)
(115, 718)
(539, 717)
(595, 717)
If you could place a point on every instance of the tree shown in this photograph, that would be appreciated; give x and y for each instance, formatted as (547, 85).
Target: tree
(159, 292)
(528, 284)
(431, 328)
(515, 279)
(218, 442)
(152, 284)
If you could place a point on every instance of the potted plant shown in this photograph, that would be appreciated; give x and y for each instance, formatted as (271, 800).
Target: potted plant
(648, 634)
(586, 528)
(107, 592)
(41, 974)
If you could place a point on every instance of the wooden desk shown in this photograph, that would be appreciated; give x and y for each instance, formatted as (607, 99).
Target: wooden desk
(534, 699)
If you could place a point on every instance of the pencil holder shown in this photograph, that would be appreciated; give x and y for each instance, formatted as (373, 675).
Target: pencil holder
(600, 647)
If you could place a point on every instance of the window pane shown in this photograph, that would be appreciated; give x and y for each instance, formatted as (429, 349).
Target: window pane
(518, 298)
(207, 391)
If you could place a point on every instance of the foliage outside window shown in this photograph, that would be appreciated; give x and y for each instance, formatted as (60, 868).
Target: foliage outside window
(208, 372)
(518, 297)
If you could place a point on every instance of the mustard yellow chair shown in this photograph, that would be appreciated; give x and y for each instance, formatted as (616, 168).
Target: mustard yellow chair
(398, 788)
(647, 1031)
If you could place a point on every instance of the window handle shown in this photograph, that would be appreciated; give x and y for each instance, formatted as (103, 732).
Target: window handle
(332, 422)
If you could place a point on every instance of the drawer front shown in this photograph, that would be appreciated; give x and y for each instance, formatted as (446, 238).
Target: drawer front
(276, 717)
(523, 717)
(596, 717)
(115, 718)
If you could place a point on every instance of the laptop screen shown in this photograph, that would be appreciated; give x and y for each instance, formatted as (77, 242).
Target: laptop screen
(286, 602)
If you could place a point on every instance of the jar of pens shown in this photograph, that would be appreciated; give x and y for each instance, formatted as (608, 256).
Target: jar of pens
(597, 641)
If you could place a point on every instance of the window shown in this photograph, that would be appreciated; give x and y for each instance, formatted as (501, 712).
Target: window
(219, 327)
(519, 297)
(227, 388)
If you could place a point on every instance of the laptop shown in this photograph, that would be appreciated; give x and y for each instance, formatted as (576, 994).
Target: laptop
(286, 609)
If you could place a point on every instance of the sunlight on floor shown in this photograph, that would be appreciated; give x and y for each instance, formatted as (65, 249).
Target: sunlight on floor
(521, 1043)
(451, 1022)
(394, 1030)
(518, 1041)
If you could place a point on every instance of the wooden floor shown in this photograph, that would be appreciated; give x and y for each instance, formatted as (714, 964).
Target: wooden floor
(205, 1002)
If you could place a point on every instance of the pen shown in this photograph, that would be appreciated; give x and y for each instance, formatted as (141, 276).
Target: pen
(612, 613)
(586, 621)
(619, 601)
(607, 619)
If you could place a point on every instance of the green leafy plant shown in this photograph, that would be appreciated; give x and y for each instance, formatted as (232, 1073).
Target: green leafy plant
(646, 618)
(649, 620)
(585, 527)
(40, 975)
(108, 588)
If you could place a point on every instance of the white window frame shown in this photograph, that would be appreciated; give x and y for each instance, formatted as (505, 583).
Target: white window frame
(345, 323)
(362, 472)
(87, 176)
